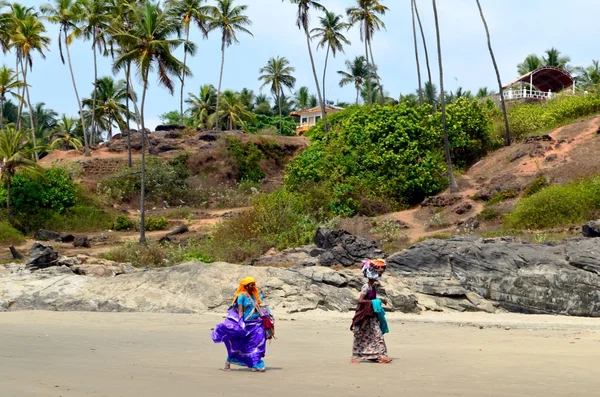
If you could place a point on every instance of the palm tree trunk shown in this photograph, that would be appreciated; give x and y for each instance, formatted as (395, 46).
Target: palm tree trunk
(312, 62)
(85, 137)
(325, 71)
(19, 65)
(453, 184)
(279, 106)
(376, 73)
(500, 89)
(370, 97)
(31, 124)
(417, 53)
(127, 72)
(424, 44)
(8, 213)
(143, 176)
(1, 112)
(217, 126)
(357, 94)
(93, 127)
(187, 38)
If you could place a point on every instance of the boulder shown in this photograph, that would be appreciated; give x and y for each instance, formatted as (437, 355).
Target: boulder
(462, 208)
(165, 147)
(66, 238)
(41, 256)
(82, 242)
(591, 229)
(46, 235)
(292, 257)
(169, 127)
(173, 135)
(343, 248)
(441, 201)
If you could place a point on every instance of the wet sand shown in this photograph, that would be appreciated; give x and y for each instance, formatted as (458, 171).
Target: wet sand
(151, 355)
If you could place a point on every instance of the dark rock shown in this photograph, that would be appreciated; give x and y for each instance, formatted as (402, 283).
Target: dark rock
(441, 201)
(181, 229)
(525, 278)
(591, 229)
(463, 208)
(343, 248)
(82, 242)
(552, 157)
(206, 137)
(519, 155)
(46, 235)
(15, 254)
(165, 147)
(41, 256)
(173, 135)
(471, 223)
(540, 138)
(66, 238)
(169, 127)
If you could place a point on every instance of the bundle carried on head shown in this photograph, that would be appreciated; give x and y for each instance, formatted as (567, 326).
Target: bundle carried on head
(373, 268)
(242, 289)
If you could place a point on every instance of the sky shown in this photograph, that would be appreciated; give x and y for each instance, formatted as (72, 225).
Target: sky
(517, 28)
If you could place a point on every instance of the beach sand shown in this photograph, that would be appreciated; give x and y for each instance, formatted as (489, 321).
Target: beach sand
(148, 355)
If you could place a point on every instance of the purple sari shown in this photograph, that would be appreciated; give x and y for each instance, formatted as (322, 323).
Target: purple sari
(245, 340)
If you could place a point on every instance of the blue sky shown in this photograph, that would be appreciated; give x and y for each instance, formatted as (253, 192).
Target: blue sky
(518, 28)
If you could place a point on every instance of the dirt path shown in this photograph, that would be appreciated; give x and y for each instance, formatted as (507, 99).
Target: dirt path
(154, 355)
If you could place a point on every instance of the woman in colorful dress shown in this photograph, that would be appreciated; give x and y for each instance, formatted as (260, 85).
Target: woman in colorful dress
(369, 323)
(243, 330)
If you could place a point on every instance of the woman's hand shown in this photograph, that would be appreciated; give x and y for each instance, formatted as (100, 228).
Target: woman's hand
(384, 301)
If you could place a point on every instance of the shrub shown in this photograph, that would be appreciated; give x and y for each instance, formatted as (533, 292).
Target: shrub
(501, 196)
(247, 159)
(534, 187)
(263, 123)
(557, 206)
(10, 235)
(489, 214)
(150, 255)
(392, 152)
(123, 222)
(154, 224)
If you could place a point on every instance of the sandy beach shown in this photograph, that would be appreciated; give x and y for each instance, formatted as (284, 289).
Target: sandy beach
(134, 354)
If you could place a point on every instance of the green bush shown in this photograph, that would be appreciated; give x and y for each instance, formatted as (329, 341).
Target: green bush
(502, 196)
(557, 206)
(154, 224)
(265, 122)
(123, 223)
(165, 181)
(392, 152)
(10, 235)
(538, 184)
(247, 159)
(489, 214)
(527, 119)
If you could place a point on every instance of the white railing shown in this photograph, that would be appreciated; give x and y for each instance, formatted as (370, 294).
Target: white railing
(526, 93)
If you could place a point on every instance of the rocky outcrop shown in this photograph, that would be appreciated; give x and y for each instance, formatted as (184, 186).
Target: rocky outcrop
(591, 229)
(526, 278)
(343, 248)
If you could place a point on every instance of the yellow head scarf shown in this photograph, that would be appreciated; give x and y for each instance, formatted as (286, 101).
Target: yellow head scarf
(242, 289)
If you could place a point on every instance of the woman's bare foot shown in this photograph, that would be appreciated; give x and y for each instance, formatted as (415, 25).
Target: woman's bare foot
(385, 360)
(354, 361)
(227, 367)
(259, 370)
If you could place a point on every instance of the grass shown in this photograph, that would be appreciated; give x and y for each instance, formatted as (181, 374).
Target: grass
(156, 255)
(537, 237)
(9, 235)
(557, 206)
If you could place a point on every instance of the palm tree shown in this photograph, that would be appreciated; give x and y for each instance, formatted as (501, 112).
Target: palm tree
(330, 35)
(67, 14)
(554, 58)
(231, 111)
(247, 98)
(17, 154)
(366, 14)
(484, 92)
(431, 95)
(358, 71)
(416, 9)
(64, 135)
(230, 20)
(150, 46)
(96, 19)
(278, 74)
(301, 98)
(590, 76)
(189, 12)
(501, 90)
(453, 184)
(202, 105)
(44, 119)
(531, 63)
(26, 39)
(420, 89)
(302, 21)
(9, 85)
(313, 102)
(110, 104)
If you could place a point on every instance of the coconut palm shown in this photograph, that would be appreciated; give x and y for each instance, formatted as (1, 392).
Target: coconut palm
(67, 14)
(189, 12)
(28, 38)
(554, 58)
(357, 72)
(431, 94)
(414, 27)
(246, 96)
(453, 184)
(44, 119)
(286, 107)
(96, 20)
(416, 9)
(330, 36)
(531, 63)
(110, 104)
(501, 90)
(64, 135)
(302, 21)
(230, 20)
(231, 112)
(484, 92)
(201, 106)
(16, 153)
(589, 77)
(301, 98)
(278, 75)
(9, 86)
(367, 15)
(149, 46)
(313, 102)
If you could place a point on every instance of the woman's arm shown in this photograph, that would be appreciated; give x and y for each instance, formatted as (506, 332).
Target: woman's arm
(241, 311)
(361, 298)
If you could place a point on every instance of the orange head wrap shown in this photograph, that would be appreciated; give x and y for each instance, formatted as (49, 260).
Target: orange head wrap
(242, 289)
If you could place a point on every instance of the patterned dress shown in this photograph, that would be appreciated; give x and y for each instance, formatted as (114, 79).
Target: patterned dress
(368, 338)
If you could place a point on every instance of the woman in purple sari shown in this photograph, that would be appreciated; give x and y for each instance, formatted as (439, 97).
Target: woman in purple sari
(243, 331)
